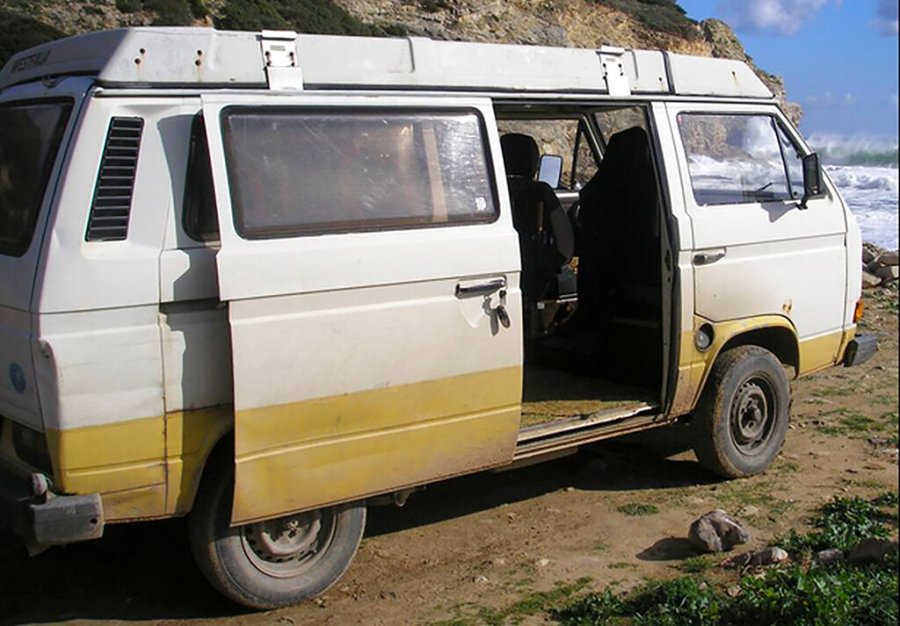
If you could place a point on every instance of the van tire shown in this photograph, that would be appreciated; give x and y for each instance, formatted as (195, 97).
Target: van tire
(742, 417)
(252, 566)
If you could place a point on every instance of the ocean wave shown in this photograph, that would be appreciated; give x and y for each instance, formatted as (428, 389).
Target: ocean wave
(859, 150)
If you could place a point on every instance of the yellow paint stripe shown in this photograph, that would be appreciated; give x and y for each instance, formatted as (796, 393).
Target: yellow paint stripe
(317, 452)
(820, 352)
(349, 469)
(109, 457)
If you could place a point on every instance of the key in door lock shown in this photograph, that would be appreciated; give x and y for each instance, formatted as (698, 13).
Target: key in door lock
(500, 310)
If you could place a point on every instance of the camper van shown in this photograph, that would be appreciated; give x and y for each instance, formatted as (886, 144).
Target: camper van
(266, 280)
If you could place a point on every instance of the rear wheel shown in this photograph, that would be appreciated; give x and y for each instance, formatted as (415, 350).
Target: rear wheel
(742, 417)
(276, 562)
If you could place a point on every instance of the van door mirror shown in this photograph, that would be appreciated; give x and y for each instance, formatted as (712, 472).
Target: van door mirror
(812, 178)
(551, 170)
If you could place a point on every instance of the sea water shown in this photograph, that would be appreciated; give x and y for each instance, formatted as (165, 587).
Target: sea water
(865, 171)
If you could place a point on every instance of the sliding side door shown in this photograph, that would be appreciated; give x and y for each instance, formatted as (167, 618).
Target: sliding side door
(371, 272)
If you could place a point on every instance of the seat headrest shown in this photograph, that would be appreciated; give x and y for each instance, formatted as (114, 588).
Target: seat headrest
(520, 155)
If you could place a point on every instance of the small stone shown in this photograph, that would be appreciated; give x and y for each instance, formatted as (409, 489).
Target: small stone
(733, 591)
(570, 489)
(716, 531)
(852, 470)
(542, 562)
(871, 551)
(498, 562)
(748, 511)
(480, 580)
(511, 516)
(769, 556)
(828, 557)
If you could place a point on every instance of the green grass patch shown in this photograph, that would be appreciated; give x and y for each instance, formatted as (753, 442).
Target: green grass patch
(696, 564)
(533, 603)
(638, 508)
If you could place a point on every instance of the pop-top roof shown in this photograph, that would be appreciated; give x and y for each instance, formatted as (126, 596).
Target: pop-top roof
(204, 58)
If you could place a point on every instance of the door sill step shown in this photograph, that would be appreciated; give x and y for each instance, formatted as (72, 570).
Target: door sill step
(553, 437)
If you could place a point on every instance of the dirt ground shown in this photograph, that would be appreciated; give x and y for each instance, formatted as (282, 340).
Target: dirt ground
(490, 540)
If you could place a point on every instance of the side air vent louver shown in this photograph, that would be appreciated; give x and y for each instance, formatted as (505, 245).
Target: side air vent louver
(111, 206)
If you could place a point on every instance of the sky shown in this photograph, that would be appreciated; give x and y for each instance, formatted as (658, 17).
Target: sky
(838, 57)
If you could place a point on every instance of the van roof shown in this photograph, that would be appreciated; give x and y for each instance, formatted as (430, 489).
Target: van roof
(206, 58)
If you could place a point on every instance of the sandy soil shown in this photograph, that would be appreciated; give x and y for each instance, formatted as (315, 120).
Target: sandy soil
(490, 540)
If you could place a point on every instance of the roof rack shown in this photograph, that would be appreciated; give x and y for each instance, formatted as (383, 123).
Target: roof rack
(283, 60)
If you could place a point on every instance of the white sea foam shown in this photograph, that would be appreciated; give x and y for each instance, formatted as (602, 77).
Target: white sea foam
(872, 195)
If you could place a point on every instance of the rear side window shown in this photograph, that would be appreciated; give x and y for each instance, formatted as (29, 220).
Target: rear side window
(297, 171)
(734, 159)
(30, 136)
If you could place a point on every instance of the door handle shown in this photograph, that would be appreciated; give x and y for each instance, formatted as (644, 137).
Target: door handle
(480, 289)
(709, 257)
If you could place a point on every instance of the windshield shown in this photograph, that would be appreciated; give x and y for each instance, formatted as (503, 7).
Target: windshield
(30, 135)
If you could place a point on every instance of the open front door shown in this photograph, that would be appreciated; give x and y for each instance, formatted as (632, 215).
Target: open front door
(371, 272)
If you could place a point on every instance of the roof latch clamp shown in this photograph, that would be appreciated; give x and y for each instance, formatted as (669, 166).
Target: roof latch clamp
(613, 64)
(279, 51)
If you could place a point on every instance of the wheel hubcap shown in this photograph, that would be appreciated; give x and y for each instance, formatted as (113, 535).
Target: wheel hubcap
(288, 546)
(751, 416)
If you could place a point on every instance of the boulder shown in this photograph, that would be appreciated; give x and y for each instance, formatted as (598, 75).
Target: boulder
(871, 550)
(888, 273)
(887, 258)
(867, 256)
(870, 280)
(716, 531)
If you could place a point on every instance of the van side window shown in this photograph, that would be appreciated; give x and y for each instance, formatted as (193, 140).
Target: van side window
(198, 217)
(295, 171)
(30, 134)
(734, 159)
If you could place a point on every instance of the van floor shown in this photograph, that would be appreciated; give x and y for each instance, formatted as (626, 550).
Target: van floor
(554, 394)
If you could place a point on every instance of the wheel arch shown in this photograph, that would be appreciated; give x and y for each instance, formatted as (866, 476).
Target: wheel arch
(779, 340)
(773, 333)
(221, 451)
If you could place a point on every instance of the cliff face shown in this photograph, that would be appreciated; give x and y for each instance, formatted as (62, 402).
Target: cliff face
(581, 23)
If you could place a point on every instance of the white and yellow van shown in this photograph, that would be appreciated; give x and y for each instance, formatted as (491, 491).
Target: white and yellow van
(262, 279)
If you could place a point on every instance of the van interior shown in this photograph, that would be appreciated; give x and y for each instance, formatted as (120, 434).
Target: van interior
(591, 241)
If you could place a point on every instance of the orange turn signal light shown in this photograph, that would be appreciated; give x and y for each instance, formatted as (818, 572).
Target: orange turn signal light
(858, 312)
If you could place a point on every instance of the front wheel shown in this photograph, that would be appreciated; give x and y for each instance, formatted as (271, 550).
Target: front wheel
(277, 562)
(742, 417)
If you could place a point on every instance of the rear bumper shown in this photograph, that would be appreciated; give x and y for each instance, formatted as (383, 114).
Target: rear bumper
(47, 519)
(860, 350)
